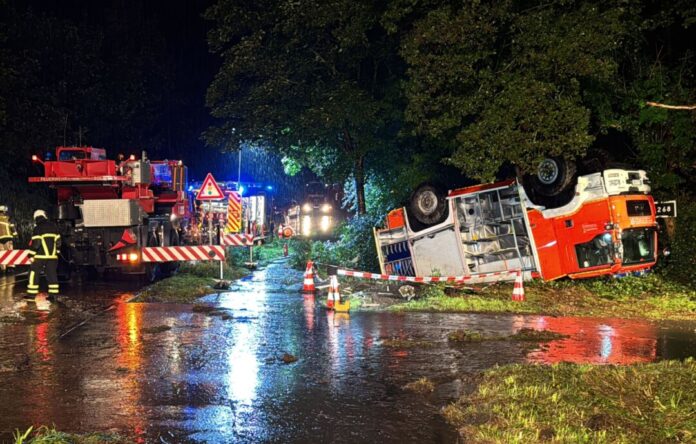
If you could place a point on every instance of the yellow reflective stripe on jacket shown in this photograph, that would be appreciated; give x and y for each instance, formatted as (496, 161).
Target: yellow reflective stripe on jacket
(46, 254)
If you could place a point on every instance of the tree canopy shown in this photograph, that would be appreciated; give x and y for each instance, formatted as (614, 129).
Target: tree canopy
(314, 80)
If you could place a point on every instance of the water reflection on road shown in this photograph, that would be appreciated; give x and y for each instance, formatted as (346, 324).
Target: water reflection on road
(219, 377)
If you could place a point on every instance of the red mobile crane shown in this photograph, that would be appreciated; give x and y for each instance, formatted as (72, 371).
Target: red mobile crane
(106, 207)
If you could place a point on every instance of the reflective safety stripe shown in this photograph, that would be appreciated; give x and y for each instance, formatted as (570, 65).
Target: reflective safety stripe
(32, 291)
(32, 275)
(53, 285)
(47, 254)
(53, 290)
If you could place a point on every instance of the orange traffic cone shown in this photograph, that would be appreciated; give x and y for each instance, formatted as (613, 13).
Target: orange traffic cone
(333, 295)
(340, 304)
(308, 284)
(518, 290)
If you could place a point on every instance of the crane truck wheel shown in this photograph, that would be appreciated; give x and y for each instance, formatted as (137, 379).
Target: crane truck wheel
(170, 268)
(427, 206)
(153, 270)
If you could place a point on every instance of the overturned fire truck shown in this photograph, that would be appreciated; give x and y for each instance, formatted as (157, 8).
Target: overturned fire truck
(109, 210)
(494, 230)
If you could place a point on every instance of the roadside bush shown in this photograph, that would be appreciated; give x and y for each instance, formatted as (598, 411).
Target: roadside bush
(354, 248)
(301, 253)
(682, 262)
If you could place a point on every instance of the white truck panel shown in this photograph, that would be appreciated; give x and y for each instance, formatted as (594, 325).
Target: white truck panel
(437, 254)
(111, 213)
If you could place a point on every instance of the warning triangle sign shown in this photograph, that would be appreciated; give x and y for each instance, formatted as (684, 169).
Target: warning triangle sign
(210, 190)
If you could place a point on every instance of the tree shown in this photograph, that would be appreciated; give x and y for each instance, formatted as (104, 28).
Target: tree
(500, 82)
(314, 80)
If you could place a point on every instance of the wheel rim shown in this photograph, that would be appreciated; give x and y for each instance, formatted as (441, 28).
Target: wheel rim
(548, 171)
(427, 202)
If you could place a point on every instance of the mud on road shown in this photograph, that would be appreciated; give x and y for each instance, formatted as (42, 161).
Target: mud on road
(219, 371)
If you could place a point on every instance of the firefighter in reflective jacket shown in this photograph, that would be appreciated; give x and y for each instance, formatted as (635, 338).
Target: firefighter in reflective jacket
(44, 247)
(7, 232)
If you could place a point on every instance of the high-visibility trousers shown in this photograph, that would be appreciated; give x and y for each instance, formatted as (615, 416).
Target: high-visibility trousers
(50, 268)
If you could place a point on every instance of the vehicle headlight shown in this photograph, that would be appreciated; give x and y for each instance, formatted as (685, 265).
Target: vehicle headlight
(306, 225)
(306, 208)
(325, 208)
(325, 223)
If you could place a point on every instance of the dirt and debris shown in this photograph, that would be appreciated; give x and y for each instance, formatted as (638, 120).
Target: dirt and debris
(287, 358)
(157, 329)
(406, 343)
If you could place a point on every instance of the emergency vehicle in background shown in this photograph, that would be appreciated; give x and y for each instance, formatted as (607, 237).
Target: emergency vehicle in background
(108, 209)
(319, 212)
(608, 228)
(256, 208)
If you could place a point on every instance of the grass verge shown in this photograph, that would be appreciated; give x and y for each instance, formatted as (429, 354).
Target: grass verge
(652, 297)
(191, 282)
(650, 403)
(49, 435)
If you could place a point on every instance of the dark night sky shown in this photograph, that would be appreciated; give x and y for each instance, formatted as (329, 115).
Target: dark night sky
(176, 32)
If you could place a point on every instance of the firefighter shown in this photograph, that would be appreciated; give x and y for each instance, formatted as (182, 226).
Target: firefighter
(7, 232)
(44, 248)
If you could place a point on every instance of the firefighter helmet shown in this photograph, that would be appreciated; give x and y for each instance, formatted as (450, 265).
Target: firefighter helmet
(40, 213)
(3, 209)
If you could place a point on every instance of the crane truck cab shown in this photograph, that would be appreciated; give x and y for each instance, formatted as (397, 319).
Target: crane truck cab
(107, 208)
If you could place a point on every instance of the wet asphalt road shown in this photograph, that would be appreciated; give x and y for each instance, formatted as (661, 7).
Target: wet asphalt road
(164, 373)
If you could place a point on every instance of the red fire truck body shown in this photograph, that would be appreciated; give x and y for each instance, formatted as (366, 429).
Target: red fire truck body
(608, 228)
(107, 208)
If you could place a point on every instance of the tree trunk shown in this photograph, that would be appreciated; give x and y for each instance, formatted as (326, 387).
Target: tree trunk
(359, 174)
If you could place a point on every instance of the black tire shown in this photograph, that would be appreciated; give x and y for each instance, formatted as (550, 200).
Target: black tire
(553, 176)
(170, 268)
(427, 206)
(153, 270)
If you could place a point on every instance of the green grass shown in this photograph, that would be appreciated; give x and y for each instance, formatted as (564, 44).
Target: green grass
(269, 252)
(652, 297)
(49, 435)
(568, 403)
(461, 336)
(524, 334)
(421, 386)
(191, 282)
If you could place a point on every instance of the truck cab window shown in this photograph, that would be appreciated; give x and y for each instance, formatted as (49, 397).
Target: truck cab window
(72, 155)
(596, 252)
(638, 245)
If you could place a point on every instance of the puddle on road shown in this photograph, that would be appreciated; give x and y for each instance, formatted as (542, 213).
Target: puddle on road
(201, 378)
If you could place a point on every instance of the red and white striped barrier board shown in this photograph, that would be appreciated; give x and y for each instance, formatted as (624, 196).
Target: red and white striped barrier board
(498, 276)
(237, 240)
(15, 257)
(187, 253)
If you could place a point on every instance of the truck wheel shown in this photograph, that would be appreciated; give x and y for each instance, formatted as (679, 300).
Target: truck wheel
(553, 184)
(427, 206)
(153, 270)
(170, 268)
